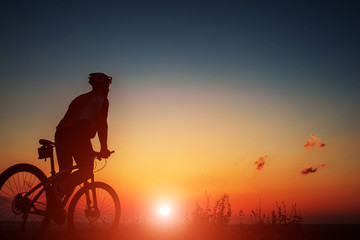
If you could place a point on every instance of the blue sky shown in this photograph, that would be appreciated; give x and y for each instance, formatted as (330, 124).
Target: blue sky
(279, 38)
(304, 49)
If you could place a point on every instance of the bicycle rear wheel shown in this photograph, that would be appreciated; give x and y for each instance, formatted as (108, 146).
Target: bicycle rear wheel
(94, 216)
(19, 216)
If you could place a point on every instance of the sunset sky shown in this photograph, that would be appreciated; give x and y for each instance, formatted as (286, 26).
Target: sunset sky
(216, 96)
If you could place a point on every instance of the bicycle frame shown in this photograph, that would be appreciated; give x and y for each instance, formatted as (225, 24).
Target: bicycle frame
(54, 176)
(33, 202)
(49, 181)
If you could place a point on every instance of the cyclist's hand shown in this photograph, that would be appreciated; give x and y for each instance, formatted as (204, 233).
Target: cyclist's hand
(105, 153)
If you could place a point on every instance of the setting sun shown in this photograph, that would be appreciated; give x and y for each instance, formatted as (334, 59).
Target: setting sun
(164, 211)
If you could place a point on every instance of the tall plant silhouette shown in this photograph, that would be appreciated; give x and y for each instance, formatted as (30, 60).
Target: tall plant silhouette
(219, 215)
(222, 211)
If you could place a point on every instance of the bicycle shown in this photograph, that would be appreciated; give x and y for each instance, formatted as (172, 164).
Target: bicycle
(27, 201)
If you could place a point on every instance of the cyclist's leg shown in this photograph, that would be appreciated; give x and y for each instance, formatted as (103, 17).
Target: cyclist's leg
(84, 158)
(64, 152)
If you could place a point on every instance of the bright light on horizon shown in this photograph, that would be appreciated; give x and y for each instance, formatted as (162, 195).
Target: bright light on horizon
(164, 211)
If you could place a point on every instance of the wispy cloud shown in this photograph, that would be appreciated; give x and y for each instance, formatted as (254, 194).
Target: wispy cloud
(260, 162)
(306, 171)
(314, 141)
(321, 144)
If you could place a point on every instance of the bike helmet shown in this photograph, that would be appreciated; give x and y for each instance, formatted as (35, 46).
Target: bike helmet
(99, 78)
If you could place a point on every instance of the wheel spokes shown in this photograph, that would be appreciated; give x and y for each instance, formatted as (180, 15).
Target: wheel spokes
(89, 217)
(16, 211)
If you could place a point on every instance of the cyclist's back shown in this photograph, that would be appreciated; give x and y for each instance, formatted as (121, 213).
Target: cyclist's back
(84, 108)
(86, 116)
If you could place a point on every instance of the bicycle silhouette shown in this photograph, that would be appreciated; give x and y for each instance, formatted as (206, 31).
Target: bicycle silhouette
(27, 201)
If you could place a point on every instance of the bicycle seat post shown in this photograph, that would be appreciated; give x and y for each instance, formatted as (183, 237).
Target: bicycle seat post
(52, 161)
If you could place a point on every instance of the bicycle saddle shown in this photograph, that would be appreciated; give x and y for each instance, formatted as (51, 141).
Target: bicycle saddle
(46, 143)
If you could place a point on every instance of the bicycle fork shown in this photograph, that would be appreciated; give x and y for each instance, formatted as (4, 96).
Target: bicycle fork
(92, 212)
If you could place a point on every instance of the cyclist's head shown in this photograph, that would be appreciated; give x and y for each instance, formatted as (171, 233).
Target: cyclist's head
(99, 79)
(100, 82)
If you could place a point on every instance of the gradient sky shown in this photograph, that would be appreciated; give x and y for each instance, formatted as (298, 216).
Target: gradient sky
(201, 90)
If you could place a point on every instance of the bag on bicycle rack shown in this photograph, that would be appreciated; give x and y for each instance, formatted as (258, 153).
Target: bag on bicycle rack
(45, 152)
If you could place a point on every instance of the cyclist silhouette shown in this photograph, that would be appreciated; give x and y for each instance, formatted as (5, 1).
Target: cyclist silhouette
(86, 116)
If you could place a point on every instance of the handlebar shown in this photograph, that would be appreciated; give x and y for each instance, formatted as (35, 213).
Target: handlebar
(98, 155)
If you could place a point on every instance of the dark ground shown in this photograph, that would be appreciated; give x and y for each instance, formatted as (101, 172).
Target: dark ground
(231, 232)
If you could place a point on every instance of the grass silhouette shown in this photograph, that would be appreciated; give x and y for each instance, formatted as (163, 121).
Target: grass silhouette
(213, 223)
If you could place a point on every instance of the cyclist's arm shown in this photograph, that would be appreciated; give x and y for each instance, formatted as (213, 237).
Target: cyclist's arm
(103, 129)
(103, 133)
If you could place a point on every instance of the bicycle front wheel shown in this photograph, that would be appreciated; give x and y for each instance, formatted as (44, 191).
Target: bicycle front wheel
(20, 213)
(94, 211)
